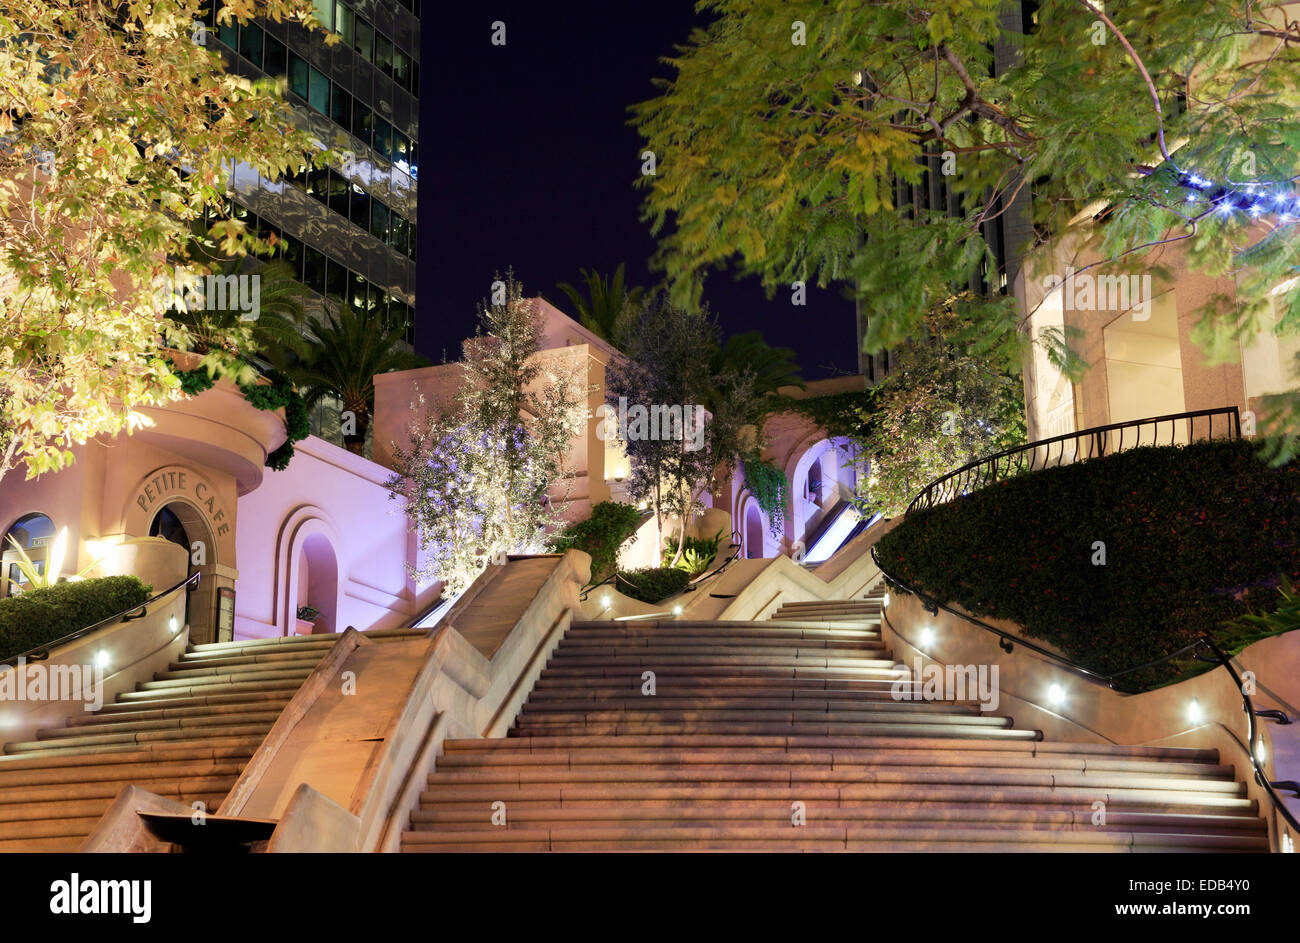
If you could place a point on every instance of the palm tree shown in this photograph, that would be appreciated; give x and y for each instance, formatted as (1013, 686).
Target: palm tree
(770, 367)
(275, 334)
(351, 348)
(600, 309)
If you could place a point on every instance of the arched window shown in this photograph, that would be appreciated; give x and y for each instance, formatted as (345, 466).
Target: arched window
(33, 534)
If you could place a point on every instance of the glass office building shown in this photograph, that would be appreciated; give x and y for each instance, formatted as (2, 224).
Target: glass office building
(349, 230)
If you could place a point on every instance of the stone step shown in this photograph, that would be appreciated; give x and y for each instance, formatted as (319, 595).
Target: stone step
(538, 715)
(206, 684)
(444, 817)
(187, 702)
(150, 711)
(120, 772)
(570, 701)
(703, 773)
(965, 794)
(709, 643)
(880, 744)
(201, 692)
(802, 729)
(563, 658)
(118, 724)
(241, 670)
(109, 736)
(837, 759)
(107, 789)
(823, 672)
(727, 837)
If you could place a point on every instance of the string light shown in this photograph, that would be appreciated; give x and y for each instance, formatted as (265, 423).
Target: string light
(1254, 199)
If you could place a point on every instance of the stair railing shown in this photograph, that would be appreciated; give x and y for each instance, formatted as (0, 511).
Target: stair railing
(138, 611)
(1223, 422)
(1094, 443)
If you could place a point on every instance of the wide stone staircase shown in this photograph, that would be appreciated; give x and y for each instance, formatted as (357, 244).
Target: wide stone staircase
(787, 735)
(185, 735)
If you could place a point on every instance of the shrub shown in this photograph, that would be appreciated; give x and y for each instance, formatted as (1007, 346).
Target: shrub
(697, 555)
(654, 584)
(1193, 536)
(601, 535)
(41, 616)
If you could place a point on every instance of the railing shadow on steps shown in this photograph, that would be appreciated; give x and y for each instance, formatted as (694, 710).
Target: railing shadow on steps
(1098, 442)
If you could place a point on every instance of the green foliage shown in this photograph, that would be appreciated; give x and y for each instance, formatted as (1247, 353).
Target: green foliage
(653, 584)
(770, 368)
(939, 408)
(279, 394)
(845, 415)
(351, 348)
(40, 616)
(782, 159)
(601, 535)
(670, 361)
(483, 475)
(696, 556)
(770, 489)
(1193, 537)
(602, 308)
(120, 134)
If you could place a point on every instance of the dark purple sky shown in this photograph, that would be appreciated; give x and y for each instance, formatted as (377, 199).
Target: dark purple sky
(526, 160)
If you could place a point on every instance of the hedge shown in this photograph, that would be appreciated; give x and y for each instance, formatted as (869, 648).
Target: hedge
(1193, 536)
(601, 535)
(654, 584)
(40, 616)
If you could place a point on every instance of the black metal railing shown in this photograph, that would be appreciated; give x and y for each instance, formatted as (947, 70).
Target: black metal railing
(1174, 429)
(139, 611)
(1065, 449)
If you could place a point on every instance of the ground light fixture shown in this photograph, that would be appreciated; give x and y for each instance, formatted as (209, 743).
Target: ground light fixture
(927, 636)
(101, 659)
(884, 603)
(1056, 695)
(1194, 713)
(1261, 751)
(677, 609)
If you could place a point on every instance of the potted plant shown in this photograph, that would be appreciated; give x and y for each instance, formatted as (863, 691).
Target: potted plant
(307, 616)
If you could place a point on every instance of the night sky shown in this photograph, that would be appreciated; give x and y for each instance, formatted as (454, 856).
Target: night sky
(526, 160)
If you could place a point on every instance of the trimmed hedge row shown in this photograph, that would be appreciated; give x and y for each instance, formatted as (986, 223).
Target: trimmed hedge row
(40, 616)
(601, 535)
(653, 584)
(1193, 536)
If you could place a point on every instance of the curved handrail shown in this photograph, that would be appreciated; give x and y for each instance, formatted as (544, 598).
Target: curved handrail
(1252, 717)
(1095, 442)
(1009, 639)
(41, 652)
(983, 471)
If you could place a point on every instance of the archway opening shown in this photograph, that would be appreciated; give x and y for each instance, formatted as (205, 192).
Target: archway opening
(33, 534)
(182, 524)
(753, 531)
(318, 585)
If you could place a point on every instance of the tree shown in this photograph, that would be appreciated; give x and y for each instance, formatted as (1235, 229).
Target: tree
(671, 363)
(782, 135)
(601, 309)
(937, 410)
(351, 348)
(118, 130)
(276, 333)
(771, 368)
(481, 474)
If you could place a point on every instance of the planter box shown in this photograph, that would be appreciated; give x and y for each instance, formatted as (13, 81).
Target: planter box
(305, 627)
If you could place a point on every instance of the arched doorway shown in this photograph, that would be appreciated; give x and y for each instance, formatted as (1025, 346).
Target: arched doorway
(318, 582)
(34, 534)
(182, 524)
(753, 531)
